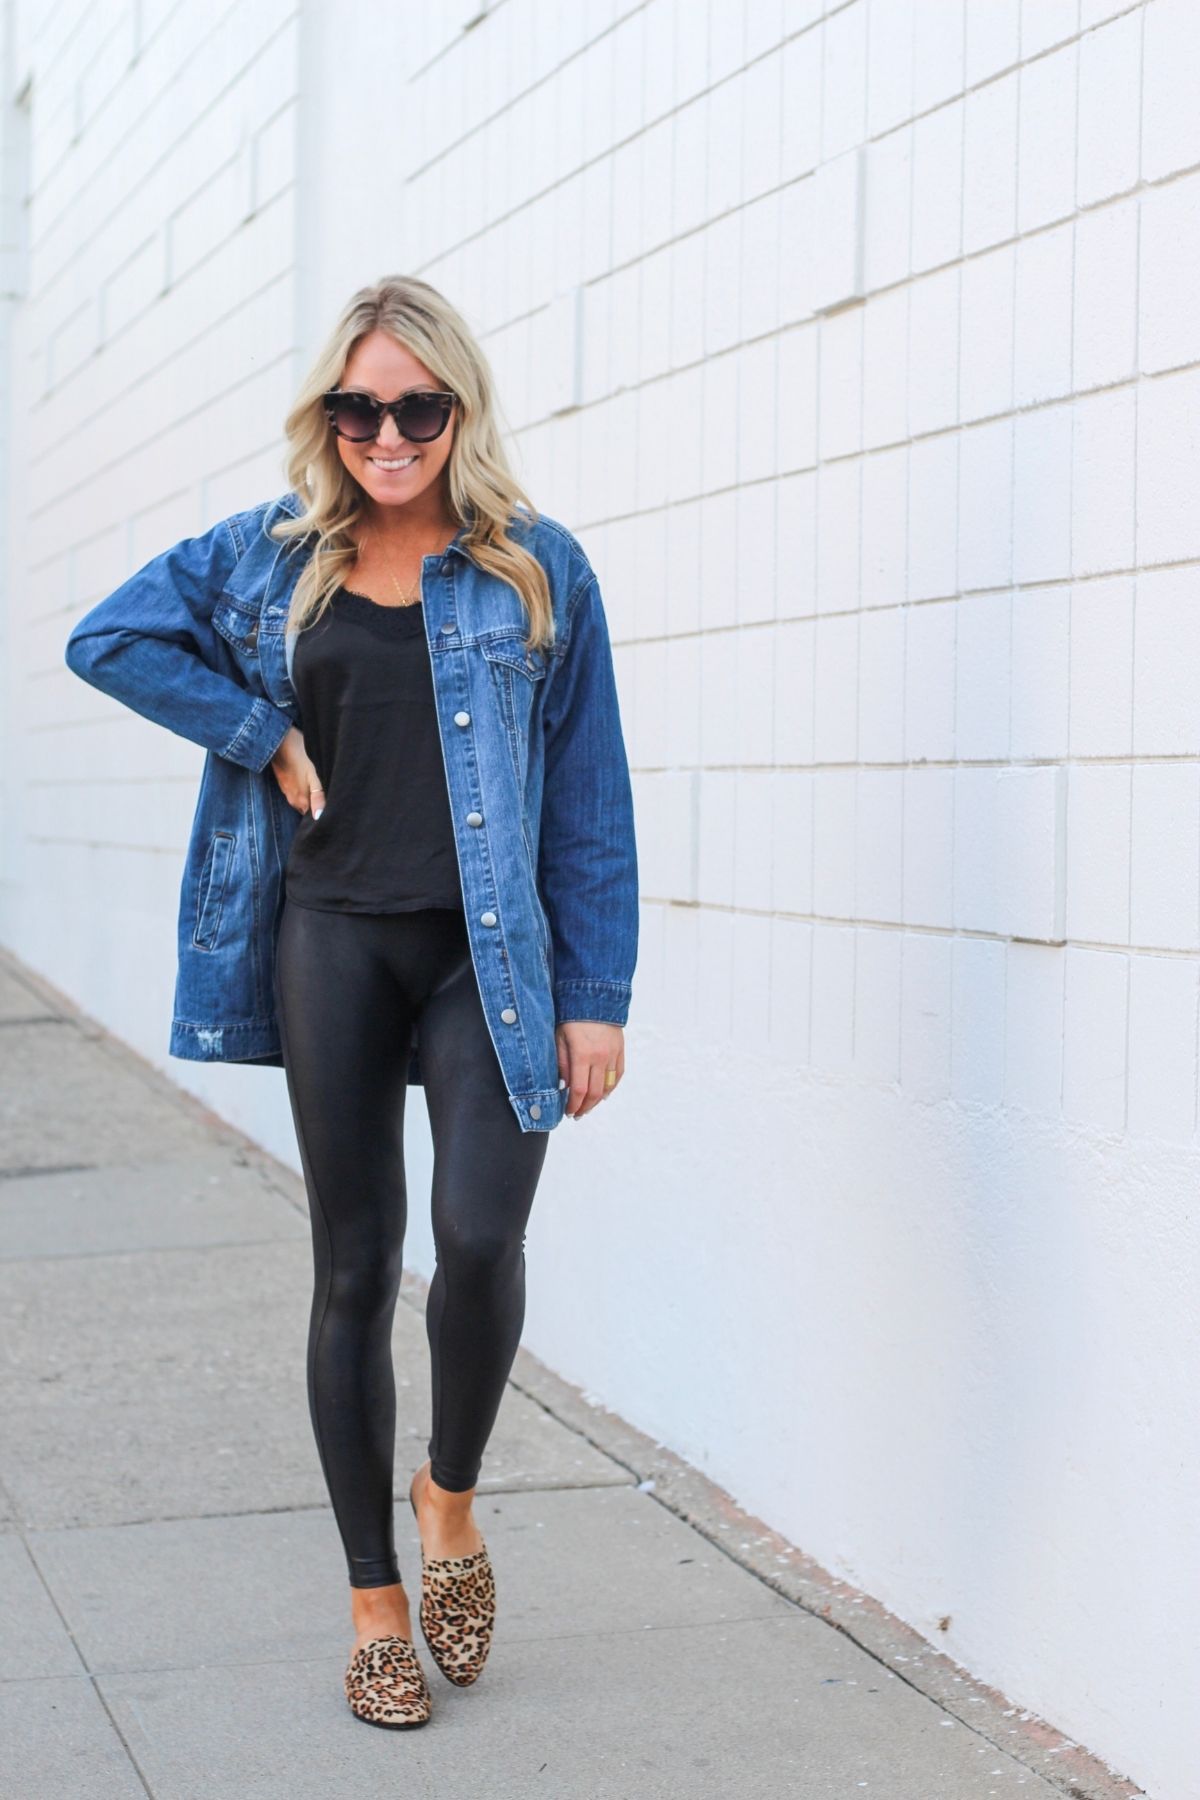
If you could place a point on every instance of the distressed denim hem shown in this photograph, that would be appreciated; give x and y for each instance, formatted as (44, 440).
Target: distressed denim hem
(249, 1041)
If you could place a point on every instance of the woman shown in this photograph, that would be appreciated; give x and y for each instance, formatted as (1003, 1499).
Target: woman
(418, 665)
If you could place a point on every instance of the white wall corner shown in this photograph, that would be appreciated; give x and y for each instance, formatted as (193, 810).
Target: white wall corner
(839, 188)
(1031, 844)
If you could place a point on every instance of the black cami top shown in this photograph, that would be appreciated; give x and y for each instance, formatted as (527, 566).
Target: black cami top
(385, 840)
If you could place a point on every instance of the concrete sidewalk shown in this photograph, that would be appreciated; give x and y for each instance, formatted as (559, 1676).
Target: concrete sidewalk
(173, 1605)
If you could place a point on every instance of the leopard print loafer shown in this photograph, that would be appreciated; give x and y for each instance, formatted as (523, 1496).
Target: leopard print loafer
(386, 1685)
(458, 1610)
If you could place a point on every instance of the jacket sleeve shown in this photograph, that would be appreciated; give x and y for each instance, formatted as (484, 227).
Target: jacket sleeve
(151, 645)
(587, 852)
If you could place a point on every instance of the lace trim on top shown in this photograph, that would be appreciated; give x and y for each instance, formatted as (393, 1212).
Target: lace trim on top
(384, 620)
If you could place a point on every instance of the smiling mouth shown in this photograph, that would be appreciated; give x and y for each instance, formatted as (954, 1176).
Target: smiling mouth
(389, 464)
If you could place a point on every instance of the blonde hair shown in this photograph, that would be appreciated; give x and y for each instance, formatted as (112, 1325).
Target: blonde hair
(483, 491)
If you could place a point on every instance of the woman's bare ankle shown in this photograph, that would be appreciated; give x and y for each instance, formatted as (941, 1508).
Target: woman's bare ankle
(380, 1612)
(444, 1516)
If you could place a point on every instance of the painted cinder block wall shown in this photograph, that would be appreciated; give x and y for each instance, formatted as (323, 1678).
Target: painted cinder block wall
(858, 342)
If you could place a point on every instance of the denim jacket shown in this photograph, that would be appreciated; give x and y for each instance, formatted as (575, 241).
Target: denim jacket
(535, 768)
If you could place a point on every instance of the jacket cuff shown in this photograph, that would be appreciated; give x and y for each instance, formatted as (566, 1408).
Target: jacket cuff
(605, 1001)
(259, 736)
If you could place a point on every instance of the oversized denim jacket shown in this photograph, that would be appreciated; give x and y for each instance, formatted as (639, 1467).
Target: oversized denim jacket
(535, 767)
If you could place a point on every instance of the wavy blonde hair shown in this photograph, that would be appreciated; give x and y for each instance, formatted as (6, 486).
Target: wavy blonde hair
(484, 493)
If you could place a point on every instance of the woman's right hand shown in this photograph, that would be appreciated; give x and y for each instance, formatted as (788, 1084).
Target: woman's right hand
(298, 779)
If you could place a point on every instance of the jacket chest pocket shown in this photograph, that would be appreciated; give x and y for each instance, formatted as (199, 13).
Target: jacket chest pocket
(516, 673)
(238, 625)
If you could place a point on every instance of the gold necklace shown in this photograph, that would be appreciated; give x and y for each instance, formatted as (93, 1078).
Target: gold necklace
(413, 595)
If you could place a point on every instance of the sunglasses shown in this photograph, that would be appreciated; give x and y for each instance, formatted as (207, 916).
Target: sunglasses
(419, 416)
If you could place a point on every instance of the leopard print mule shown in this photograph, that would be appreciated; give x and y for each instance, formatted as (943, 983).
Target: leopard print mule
(386, 1685)
(458, 1610)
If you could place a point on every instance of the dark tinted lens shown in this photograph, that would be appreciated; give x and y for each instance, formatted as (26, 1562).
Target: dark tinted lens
(355, 416)
(422, 417)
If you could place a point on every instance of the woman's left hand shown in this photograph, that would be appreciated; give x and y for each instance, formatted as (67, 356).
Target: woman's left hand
(587, 1048)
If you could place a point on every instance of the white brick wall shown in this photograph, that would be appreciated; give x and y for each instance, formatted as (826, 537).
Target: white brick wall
(884, 441)
(151, 359)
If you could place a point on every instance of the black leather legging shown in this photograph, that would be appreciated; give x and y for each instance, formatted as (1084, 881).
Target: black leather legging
(349, 987)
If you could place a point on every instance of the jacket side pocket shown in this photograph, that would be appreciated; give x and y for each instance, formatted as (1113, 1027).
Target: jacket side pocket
(211, 894)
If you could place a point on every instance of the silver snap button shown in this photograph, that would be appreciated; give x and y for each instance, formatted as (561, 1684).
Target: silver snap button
(449, 625)
(509, 1015)
(535, 1111)
(462, 718)
(488, 918)
(474, 818)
